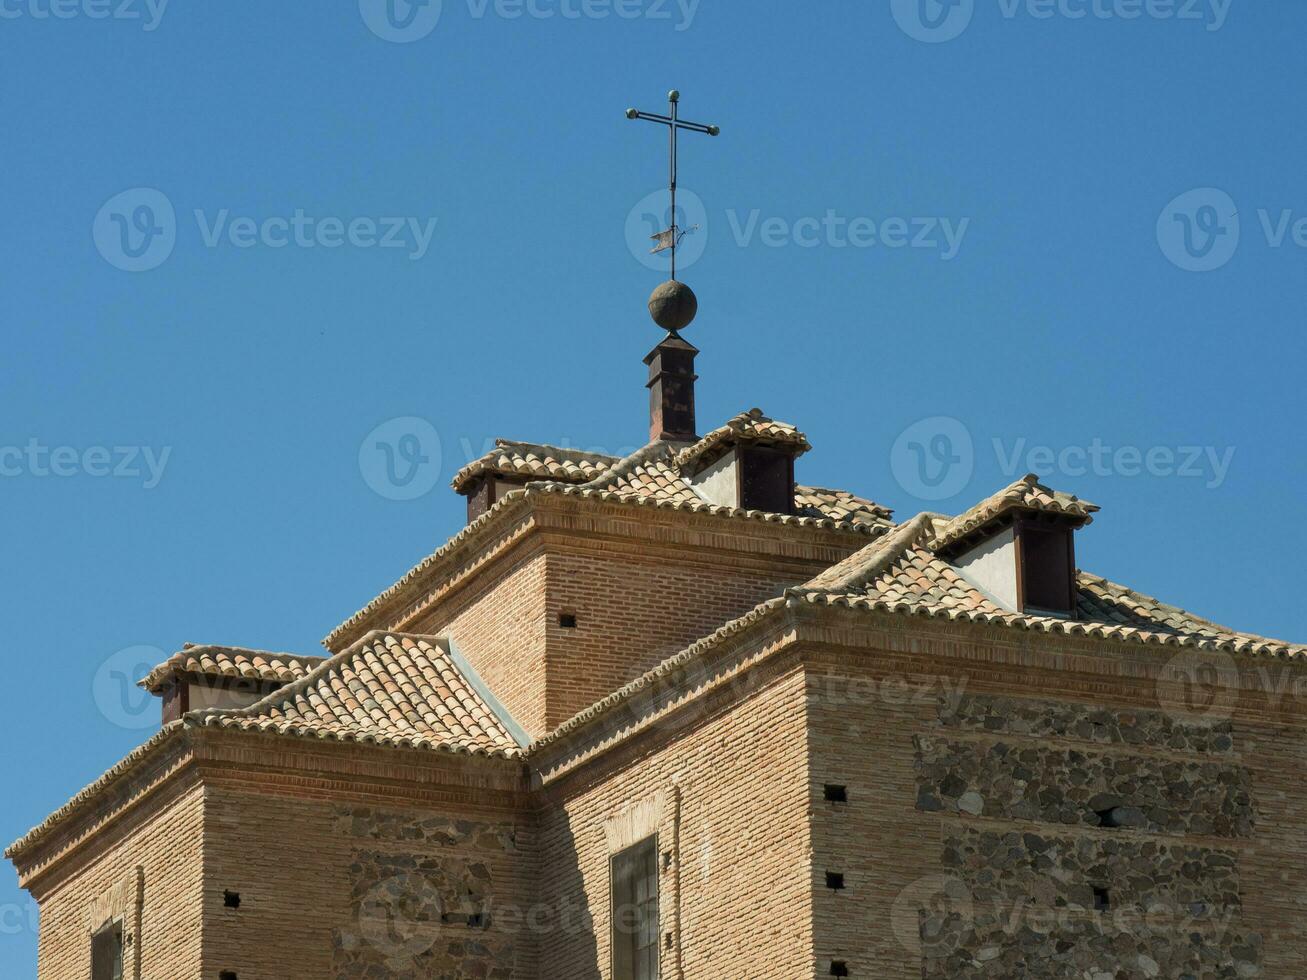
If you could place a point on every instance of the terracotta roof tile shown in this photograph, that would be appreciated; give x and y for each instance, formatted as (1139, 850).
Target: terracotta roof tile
(650, 477)
(840, 505)
(538, 461)
(1025, 494)
(230, 662)
(903, 573)
(750, 426)
(387, 689)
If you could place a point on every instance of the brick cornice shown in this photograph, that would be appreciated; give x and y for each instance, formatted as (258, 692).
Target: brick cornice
(275, 764)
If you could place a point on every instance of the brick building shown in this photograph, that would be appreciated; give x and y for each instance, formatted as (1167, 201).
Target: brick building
(679, 715)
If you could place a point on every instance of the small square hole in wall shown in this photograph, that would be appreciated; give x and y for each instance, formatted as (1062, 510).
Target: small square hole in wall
(838, 968)
(835, 793)
(567, 620)
(227, 975)
(231, 900)
(1102, 899)
(834, 880)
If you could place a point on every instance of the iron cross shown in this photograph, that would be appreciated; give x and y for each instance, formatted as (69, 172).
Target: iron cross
(672, 236)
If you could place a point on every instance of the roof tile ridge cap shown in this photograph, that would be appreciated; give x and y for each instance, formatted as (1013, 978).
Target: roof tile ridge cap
(501, 443)
(202, 716)
(628, 464)
(866, 564)
(695, 649)
(1169, 607)
(191, 648)
(119, 770)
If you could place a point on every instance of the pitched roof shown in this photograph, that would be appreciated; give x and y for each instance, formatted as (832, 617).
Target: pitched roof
(1026, 494)
(750, 426)
(536, 460)
(390, 689)
(236, 663)
(648, 477)
(903, 573)
(840, 505)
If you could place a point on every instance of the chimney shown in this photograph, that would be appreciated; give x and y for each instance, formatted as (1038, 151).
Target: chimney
(671, 365)
(671, 390)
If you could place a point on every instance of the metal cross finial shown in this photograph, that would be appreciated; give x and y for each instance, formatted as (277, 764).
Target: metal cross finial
(672, 237)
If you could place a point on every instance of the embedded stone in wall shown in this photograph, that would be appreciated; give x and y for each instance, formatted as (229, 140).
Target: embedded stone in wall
(1058, 872)
(418, 915)
(1073, 788)
(409, 828)
(1090, 723)
(422, 897)
(989, 944)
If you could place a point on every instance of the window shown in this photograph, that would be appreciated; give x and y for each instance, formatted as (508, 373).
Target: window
(635, 912)
(107, 953)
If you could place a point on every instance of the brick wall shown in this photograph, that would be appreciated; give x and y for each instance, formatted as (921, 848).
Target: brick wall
(642, 586)
(499, 624)
(163, 840)
(364, 890)
(632, 613)
(729, 801)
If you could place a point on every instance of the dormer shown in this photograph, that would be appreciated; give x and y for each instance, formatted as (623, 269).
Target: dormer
(202, 676)
(1018, 547)
(512, 465)
(747, 464)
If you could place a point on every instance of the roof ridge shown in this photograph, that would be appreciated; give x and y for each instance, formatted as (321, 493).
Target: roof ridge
(201, 715)
(319, 722)
(648, 453)
(501, 443)
(1170, 607)
(866, 564)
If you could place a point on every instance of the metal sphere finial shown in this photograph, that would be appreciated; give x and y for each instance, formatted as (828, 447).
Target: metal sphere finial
(632, 113)
(673, 96)
(673, 305)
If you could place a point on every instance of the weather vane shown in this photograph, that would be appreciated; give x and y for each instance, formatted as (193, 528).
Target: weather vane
(670, 238)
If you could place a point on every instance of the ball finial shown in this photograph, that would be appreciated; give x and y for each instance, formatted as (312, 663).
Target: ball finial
(632, 113)
(673, 96)
(673, 305)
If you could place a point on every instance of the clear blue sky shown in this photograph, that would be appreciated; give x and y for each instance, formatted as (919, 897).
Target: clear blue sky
(1062, 315)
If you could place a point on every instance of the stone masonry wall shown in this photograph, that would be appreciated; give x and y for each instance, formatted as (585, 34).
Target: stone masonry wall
(1031, 837)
